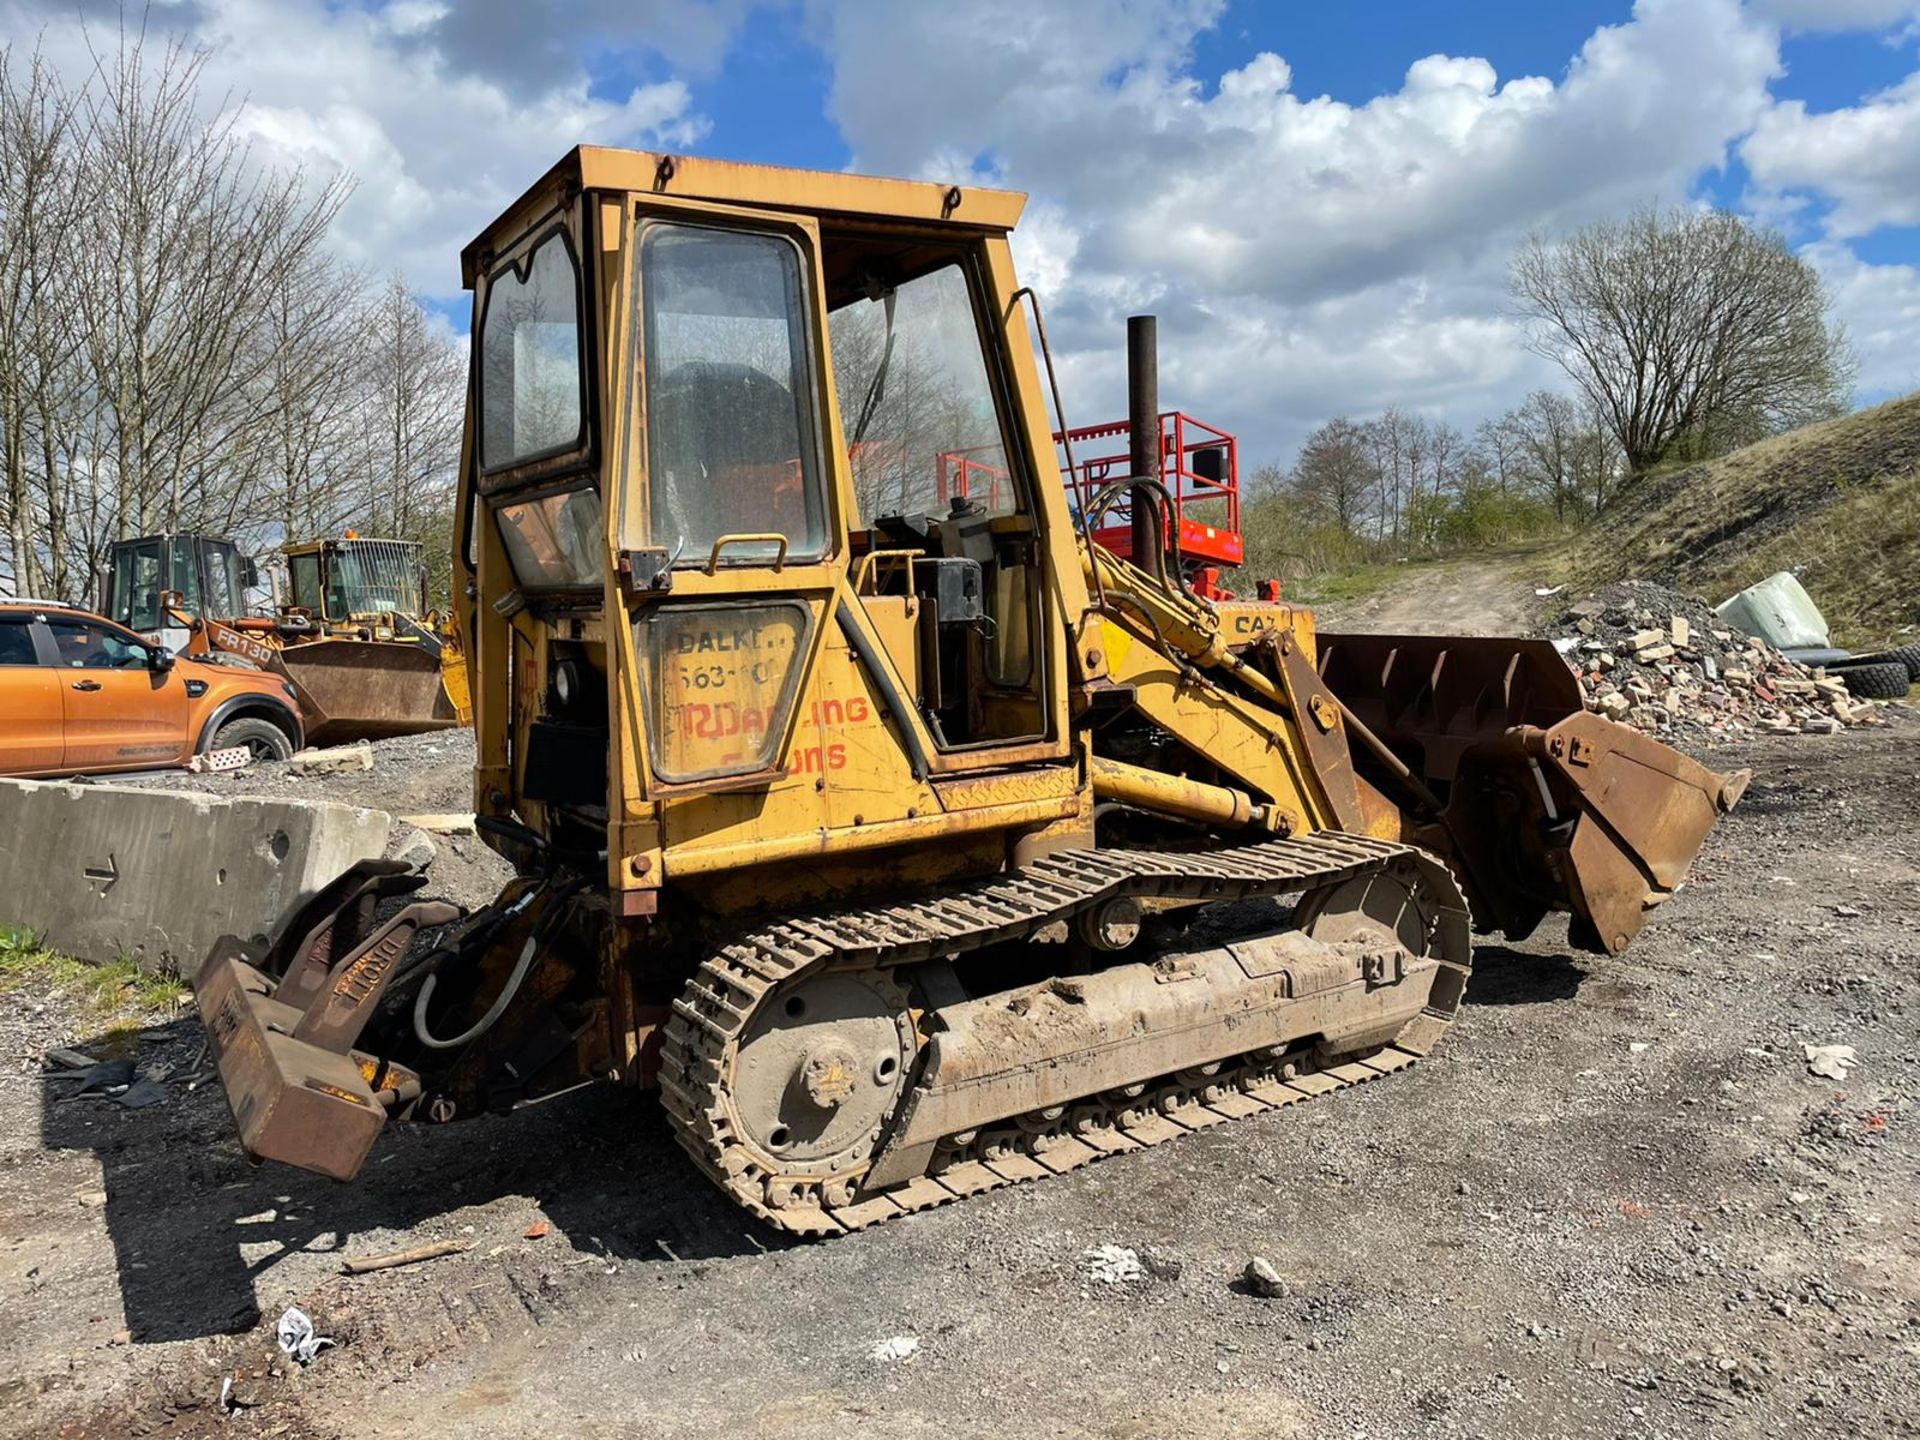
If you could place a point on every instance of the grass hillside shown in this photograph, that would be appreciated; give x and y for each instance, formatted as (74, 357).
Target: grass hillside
(1837, 503)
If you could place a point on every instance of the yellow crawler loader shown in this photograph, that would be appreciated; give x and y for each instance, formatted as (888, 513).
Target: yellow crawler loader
(869, 825)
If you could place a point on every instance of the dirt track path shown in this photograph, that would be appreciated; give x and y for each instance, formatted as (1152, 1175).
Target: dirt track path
(1491, 595)
(1614, 1204)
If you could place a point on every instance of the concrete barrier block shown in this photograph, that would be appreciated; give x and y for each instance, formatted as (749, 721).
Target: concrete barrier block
(101, 871)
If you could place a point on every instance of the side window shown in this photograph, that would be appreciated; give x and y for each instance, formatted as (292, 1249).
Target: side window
(16, 644)
(556, 542)
(86, 646)
(531, 383)
(303, 582)
(732, 447)
(136, 585)
(923, 431)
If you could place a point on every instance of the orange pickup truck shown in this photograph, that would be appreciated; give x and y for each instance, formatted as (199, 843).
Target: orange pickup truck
(80, 694)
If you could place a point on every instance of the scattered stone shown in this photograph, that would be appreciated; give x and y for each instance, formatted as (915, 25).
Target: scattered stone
(1830, 1062)
(1646, 640)
(1680, 630)
(339, 760)
(1113, 1264)
(1161, 1265)
(1263, 1280)
(899, 1347)
(442, 824)
(416, 849)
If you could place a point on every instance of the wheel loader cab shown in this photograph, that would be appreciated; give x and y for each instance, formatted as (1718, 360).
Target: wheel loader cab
(765, 489)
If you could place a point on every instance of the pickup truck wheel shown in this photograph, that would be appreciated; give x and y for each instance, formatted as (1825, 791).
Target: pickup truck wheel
(266, 740)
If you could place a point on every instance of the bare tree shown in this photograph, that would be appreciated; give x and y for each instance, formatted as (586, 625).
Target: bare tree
(1690, 331)
(39, 201)
(1338, 477)
(178, 348)
(191, 243)
(412, 396)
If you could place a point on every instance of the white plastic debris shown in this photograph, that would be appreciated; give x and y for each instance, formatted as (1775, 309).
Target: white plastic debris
(897, 1348)
(1113, 1264)
(1547, 591)
(1830, 1061)
(296, 1337)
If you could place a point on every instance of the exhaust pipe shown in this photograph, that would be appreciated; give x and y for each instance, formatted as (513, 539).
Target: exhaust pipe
(1143, 427)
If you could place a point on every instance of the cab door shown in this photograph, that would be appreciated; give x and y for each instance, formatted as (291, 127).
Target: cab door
(120, 712)
(31, 715)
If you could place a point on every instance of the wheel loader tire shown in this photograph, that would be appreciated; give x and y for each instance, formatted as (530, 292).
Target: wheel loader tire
(1907, 655)
(1882, 680)
(265, 739)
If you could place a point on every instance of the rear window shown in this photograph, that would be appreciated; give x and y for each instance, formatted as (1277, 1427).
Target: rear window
(16, 644)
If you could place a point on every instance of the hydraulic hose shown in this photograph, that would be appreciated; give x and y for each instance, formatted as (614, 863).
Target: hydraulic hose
(542, 928)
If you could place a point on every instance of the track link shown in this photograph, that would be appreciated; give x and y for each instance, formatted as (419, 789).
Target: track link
(720, 1001)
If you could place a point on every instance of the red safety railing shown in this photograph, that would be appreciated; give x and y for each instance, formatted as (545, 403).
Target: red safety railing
(1199, 465)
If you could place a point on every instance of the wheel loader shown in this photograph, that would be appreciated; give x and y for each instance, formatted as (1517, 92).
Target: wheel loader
(908, 848)
(355, 638)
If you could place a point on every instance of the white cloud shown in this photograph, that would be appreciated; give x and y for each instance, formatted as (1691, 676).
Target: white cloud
(1838, 14)
(438, 147)
(1306, 255)
(1880, 306)
(1865, 158)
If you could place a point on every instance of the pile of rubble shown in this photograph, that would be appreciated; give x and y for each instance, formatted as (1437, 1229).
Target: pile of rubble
(1663, 661)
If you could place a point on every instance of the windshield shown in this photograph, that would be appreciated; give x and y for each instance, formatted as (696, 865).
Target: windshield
(366, 577)
(731, 439)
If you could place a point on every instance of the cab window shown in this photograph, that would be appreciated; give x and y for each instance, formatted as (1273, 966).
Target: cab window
(556, 542)
(303, 582)
(922, 428)
(732, 444)
(16, 644)
(84, 645)
(531, 378)
(136, 585)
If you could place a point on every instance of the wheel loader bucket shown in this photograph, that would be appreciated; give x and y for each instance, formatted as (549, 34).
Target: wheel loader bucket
(368, 689)
(1543, 805)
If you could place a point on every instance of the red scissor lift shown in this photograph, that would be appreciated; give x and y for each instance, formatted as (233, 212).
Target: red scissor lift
(1199, 465)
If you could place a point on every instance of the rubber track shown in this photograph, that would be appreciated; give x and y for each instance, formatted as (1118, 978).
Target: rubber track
(719, 1002)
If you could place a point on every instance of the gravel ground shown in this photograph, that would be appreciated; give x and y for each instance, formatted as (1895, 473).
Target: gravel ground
(1615, 1203)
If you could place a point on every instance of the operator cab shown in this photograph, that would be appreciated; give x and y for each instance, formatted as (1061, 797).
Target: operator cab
(782, 443)
(209, 574)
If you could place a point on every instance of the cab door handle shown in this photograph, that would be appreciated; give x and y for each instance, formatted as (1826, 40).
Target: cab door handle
(86, 684)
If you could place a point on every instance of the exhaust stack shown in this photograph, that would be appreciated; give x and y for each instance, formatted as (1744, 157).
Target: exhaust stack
(1143, 429)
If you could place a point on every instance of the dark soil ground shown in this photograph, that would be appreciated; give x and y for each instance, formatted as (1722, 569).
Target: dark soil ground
(1614, 1204)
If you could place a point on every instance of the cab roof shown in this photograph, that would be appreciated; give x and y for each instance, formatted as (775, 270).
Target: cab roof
(825, 193)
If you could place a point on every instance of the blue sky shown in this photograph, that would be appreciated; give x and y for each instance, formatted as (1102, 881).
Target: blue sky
(1321, 200)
